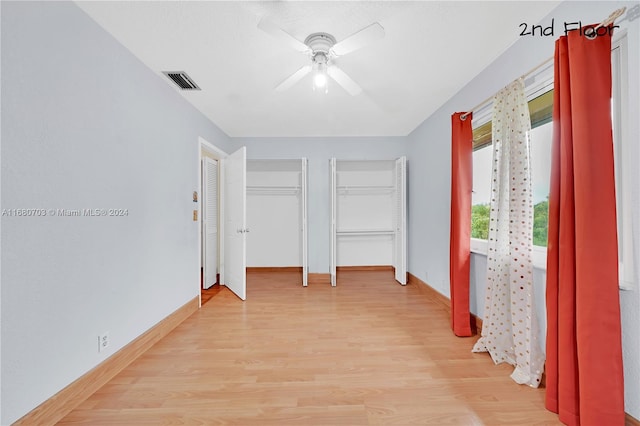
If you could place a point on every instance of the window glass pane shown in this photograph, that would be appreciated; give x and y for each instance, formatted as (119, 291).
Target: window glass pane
(616, 116)
(541, 139)
(481, 195)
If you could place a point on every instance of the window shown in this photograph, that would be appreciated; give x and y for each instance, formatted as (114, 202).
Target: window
(540, 107)
(541, 138)
(623, 160)
(480, 197)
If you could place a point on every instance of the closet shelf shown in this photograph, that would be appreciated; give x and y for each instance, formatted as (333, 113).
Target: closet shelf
(363, 232)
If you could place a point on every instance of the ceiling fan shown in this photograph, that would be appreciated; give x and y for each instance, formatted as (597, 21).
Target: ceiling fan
(322, 49)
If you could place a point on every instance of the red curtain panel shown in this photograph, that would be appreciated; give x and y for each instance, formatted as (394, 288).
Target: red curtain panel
(461, 186)
(584, 375)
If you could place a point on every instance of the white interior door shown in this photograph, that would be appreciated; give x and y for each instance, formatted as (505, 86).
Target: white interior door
(210, 224)
(235, 217)
(332, 243)
(400, 235)
(305, 228)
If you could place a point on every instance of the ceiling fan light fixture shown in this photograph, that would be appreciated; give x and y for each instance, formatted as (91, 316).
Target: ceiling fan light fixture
(320, 77)
(320, 81)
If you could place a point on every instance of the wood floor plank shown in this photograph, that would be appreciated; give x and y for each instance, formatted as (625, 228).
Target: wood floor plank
(368, 351)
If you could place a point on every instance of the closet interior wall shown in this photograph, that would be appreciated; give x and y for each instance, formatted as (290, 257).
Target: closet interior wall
(274, 213)
(365, 213)
(368, 215)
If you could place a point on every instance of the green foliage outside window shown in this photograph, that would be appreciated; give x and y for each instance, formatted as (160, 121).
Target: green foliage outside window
(480, 222)
(540, 223)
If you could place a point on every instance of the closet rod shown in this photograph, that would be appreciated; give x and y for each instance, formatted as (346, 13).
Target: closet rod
(275, 190)
(608, 21)
(366, 232)
(365, 188)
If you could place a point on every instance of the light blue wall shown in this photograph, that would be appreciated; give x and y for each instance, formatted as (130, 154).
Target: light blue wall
(86, 125)
(429, 151)
(319, 151)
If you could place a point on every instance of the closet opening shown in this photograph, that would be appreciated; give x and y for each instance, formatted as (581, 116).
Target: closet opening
(277, 217)
(368, 216)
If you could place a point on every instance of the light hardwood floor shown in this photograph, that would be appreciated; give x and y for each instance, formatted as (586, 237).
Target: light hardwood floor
(368, 351)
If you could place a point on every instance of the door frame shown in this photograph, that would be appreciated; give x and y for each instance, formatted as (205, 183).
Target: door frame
(219, 155)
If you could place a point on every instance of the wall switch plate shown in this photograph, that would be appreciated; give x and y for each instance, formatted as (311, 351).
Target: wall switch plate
(103, 341)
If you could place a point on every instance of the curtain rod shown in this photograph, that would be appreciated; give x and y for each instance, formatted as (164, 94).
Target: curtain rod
(608, 21)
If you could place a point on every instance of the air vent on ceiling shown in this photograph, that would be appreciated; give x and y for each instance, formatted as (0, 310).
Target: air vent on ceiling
(181, 79)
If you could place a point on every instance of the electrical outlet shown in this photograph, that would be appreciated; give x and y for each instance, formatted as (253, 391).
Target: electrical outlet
(103, 341)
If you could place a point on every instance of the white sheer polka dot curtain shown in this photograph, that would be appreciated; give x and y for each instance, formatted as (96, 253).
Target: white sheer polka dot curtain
(510, 327)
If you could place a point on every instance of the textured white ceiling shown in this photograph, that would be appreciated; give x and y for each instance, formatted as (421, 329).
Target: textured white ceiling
(431, 49)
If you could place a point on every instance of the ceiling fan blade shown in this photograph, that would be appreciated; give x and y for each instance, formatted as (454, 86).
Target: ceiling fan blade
(293, 78)
(277, 32)
(344, 80)
(360, 39)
